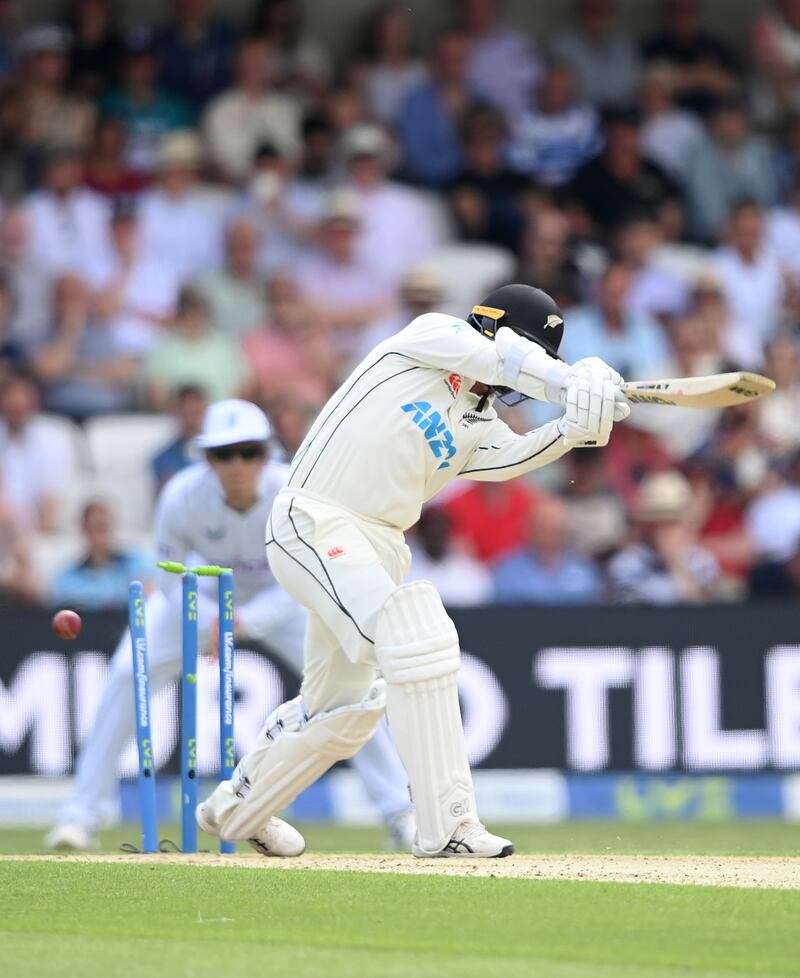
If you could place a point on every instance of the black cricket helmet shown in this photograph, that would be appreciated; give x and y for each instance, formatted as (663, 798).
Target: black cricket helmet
(528, 311)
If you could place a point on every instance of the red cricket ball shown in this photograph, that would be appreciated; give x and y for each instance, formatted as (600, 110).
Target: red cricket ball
(66, 624)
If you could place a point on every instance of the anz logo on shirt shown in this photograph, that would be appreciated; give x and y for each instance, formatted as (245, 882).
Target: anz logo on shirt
(437, 434)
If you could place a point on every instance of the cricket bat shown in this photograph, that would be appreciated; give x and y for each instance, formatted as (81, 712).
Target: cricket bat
(715, 391)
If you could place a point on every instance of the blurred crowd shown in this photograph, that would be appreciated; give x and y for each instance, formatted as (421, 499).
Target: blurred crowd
(202, 209)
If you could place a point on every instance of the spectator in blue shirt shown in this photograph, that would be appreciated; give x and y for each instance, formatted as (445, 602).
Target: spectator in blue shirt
(553, 140)
(633, 343)
(604, 60)
(547, 571)
(100, 580)
(196, 53)
(190, 406)
(729, 163)
(428, 124)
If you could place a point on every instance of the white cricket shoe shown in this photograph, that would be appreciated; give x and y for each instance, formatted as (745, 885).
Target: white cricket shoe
(402, 831)
(277, 838)
(71, 837)
(470, 839)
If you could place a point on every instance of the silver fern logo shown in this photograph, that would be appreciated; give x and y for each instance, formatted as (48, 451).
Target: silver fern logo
(553, 321)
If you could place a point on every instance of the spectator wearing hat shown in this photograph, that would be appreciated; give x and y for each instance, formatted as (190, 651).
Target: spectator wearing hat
(621, 179)
(429, 118)
(132, 293)
(503, 64)
(99, 580)
(236, 293)
(729, 164)
(249, 113)
(390, 69)
(53, 116)
(67, 224)
(189, 353)
(349, 291)
(180, 225)
(547, 570)
(553, 139)
(147, 111)
(461, 580)
(107, 170)
(96, 47)
(605, 62)
(664, 563)
(488, 197)
(395, 229)
(196, 52)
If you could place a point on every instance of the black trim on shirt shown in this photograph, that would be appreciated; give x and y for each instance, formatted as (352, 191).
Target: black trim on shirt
(511, 465)
(347, 415)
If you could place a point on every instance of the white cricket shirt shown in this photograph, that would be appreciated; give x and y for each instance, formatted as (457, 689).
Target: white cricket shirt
(404, 424)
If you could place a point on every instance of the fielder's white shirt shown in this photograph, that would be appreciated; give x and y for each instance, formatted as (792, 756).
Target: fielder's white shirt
(404, 425)
(194, 525)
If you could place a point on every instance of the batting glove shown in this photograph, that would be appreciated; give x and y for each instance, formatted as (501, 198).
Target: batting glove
(589, 412)
(595, 367)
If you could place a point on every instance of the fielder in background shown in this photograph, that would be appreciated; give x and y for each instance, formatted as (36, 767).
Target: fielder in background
(414, 415)
(215, 513)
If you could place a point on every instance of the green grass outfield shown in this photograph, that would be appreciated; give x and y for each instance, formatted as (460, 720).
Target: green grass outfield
(185, 921)
(759, 837)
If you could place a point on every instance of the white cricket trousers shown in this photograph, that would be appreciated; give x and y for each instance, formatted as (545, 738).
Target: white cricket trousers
(95, 797)
(342, 568)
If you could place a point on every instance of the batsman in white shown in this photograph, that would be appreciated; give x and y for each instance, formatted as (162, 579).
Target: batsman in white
(414, 415)
(214, 512)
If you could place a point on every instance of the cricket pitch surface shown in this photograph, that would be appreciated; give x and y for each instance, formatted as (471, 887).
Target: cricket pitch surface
(751, 872)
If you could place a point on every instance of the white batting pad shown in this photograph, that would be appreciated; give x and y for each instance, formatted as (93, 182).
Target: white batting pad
(291, 752)
(417, 649)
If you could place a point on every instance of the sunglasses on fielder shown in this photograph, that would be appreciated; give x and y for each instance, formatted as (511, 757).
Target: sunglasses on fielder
(246, 452)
